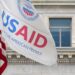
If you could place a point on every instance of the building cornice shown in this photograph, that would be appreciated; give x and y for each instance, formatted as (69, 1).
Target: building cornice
(53, 2)
(65, 55)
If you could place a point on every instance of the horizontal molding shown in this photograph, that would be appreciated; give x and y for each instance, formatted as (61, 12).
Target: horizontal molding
(65, 55)
(53, 2)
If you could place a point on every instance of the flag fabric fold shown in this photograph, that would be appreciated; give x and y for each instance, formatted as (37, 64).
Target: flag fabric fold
(27, 32)
(2, 55)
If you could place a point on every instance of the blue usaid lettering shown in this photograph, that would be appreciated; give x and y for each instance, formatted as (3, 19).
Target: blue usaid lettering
(27, 10)
(13, 22)
(12, 26)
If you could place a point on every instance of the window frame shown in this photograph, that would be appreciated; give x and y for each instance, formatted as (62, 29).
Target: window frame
(61, 31)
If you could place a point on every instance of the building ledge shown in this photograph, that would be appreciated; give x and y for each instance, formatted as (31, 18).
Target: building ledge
(53, 2)
(65, 55)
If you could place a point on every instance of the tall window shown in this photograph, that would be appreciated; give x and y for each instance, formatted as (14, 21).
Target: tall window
(61, 31)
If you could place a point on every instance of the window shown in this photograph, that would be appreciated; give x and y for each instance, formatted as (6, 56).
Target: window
(61, 31)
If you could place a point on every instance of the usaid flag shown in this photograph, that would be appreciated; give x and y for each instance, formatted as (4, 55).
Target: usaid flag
(26, 33)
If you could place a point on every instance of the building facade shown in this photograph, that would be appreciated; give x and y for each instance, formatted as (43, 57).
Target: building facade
(59, 16)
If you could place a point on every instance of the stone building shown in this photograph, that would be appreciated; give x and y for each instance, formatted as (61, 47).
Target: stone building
(59, 16)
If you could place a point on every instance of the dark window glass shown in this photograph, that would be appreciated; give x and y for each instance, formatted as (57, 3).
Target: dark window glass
(65, 39)
(61, 31)
(56, 38)
(60, 21)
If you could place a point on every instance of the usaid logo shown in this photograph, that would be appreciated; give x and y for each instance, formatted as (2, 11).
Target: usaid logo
(12, 26)
(27, 10)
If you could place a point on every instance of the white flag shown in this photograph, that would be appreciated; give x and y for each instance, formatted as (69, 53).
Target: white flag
(26, 33)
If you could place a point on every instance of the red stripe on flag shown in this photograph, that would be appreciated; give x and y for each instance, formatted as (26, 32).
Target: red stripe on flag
(2, 57)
